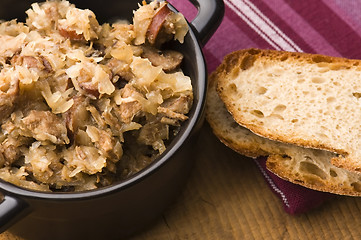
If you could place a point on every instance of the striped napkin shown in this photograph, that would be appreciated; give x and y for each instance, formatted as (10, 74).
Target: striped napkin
(330, 27)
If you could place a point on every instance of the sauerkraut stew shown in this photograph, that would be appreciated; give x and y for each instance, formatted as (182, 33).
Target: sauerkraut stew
(82, 104)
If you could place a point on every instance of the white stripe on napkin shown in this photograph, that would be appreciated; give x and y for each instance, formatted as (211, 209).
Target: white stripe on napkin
(273, 185)
(262, 25)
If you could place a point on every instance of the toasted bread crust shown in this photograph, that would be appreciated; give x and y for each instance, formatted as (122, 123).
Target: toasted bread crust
(351, 186)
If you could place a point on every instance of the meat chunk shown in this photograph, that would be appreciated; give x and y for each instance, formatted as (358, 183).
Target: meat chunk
(27, 61)
(129, 106)
(77, 115)
(153, 134)
(10, 148)
(127, 110)
(174, 110)
(90, 89)
(171, 114)
(45, 126)
(46, 64)
(71, 34)
(169, 60)
(120, 68)
(180, 104)
(8, 94)
(130, 91)
(166, 25)
(104, 141)
(156, 25)
(39, 64)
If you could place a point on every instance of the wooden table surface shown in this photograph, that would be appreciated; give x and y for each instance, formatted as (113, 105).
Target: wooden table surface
(226, 197)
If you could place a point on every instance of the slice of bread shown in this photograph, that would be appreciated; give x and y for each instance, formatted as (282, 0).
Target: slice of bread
(227, 130)
(305, 99)
(307, 167)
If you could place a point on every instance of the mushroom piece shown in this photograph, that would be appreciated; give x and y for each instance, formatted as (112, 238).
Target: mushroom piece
(169, 60)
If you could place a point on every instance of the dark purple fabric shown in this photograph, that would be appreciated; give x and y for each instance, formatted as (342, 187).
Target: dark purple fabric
(331, 27)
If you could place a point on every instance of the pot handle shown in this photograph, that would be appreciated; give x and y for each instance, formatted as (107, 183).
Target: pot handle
(11, 210)
(210, 15)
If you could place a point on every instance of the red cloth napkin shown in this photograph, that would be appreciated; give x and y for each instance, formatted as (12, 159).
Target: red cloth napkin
(330, 27)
